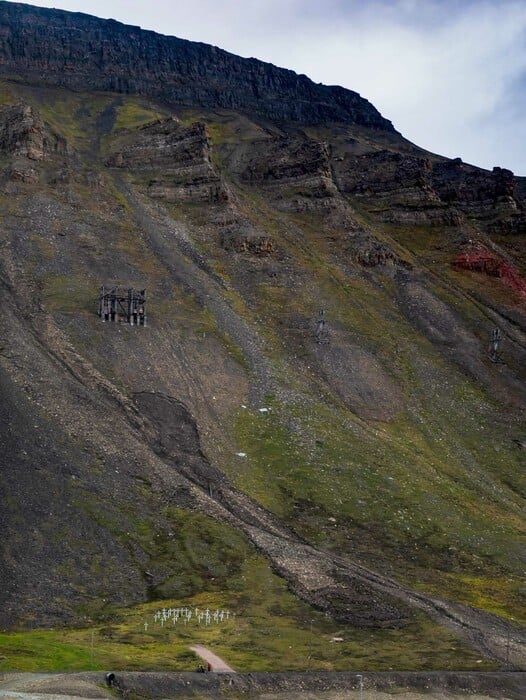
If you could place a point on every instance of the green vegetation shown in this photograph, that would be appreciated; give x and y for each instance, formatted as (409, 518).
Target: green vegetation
(224, 127)
(6, 94)
(42, 650)
(132, 115)
(73, 115)
(84, 119)
(271, 631)
(394, 496)
(216, 568)
(69, 293)
(502, 596)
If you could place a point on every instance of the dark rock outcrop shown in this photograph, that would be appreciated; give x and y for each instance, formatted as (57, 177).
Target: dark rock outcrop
(413, 190)
(178, 159)
(80, 52)
(285, 159)
(370, 252)
(28, 142)
(396, 186)
(295, 172)
(491, 197)
(23, 134)
(454, 181)
(399, 178)
(242, 239)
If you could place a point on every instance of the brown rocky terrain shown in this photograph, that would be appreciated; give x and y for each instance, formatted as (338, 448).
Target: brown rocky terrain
(382, 474)
(268, 686)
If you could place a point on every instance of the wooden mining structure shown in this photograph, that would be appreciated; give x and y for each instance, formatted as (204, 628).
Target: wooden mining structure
(122, 305)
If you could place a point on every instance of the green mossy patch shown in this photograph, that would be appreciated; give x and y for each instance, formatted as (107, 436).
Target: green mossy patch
(132, 115)
(69, 293)
(395, 497)
(269, 630)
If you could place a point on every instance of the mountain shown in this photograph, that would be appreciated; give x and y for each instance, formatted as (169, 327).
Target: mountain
(77, 51)
(331, 370)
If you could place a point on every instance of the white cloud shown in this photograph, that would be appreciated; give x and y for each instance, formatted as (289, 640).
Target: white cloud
(450, 74)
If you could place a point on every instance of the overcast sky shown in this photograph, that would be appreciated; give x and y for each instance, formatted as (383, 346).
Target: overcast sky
(450, 74)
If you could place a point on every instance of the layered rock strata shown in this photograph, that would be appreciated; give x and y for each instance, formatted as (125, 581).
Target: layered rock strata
(296, 172)
(177, 160)
(407, 189)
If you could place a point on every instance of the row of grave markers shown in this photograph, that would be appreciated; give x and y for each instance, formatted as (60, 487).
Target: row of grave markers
(185, 615)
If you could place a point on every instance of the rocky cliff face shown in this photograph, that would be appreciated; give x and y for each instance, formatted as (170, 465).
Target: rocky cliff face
(181, 154)
(296, 172)
(77, 51)
(23, 133)
(25, 138)
(414, 189)
(317, 370)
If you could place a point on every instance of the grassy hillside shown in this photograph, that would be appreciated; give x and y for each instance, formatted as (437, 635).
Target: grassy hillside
(396, 444)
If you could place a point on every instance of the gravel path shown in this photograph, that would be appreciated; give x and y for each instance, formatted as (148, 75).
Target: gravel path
(378, 695)
(217, 664)
(48, 686)
(266, 686)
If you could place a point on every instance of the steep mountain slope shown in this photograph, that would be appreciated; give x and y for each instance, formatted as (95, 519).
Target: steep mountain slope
(382, 436)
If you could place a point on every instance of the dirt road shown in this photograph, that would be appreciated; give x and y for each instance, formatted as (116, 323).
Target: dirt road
(267, 686)
(217, 664)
